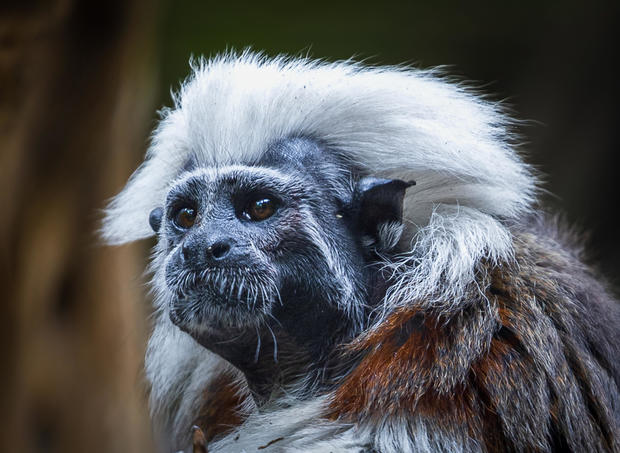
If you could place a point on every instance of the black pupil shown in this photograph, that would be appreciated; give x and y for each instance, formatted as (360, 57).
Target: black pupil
(261, 209)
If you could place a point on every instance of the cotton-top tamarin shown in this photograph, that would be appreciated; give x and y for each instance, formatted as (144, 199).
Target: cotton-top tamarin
(352, 258)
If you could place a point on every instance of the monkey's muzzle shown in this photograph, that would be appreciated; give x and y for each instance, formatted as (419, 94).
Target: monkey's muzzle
(219, 296)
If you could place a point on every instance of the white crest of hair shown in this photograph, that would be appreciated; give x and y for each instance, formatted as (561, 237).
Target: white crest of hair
(392, 121)
(389, 121)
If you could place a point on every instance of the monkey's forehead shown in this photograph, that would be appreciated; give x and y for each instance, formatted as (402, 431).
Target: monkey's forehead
(397, 122)
(248, 177)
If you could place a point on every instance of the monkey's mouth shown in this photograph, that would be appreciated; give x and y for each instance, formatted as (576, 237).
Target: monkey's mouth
(220, 297)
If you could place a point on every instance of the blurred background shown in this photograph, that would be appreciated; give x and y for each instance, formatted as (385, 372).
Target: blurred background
(80, 83)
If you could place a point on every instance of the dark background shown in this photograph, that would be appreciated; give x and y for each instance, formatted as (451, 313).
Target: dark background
(80, 83)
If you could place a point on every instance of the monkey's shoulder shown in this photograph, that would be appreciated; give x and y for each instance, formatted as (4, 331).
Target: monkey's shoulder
(534, 346)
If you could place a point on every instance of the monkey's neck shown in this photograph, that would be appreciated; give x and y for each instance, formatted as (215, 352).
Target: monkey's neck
(295, 355)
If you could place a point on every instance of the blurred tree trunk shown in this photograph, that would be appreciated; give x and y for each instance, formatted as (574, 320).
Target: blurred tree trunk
(76, 98)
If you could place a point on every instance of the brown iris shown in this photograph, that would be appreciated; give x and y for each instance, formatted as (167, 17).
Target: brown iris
(260, 209)
(185, 218)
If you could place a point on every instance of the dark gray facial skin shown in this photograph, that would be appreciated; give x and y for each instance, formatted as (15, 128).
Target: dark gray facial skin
(266, 264)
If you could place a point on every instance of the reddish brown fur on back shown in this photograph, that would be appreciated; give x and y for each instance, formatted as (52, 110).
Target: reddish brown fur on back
(396, 354)
(513, 368)
(406, 370)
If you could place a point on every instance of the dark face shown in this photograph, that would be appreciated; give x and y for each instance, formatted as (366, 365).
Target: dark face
(277, 247)
(240, 237)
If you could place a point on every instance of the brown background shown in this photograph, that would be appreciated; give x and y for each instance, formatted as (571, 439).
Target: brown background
(80, 83)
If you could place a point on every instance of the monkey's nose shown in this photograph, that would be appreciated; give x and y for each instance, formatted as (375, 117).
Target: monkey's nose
(198, 252)
(219, 250)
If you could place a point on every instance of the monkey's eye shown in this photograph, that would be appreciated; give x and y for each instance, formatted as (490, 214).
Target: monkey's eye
(259, 209)
(185, 218)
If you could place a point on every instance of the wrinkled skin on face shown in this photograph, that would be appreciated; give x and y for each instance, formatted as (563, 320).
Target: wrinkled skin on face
(269, 265)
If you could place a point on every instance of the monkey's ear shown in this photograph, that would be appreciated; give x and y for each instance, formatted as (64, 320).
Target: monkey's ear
(378, 207)
(155, 219)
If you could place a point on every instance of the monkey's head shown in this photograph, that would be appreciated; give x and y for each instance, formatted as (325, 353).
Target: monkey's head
(280, 226)
(287, 242)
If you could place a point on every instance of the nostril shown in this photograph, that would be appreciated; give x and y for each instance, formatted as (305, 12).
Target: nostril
(219, 250)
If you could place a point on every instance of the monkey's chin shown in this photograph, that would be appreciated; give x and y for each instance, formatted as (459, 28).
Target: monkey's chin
(210, 312)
